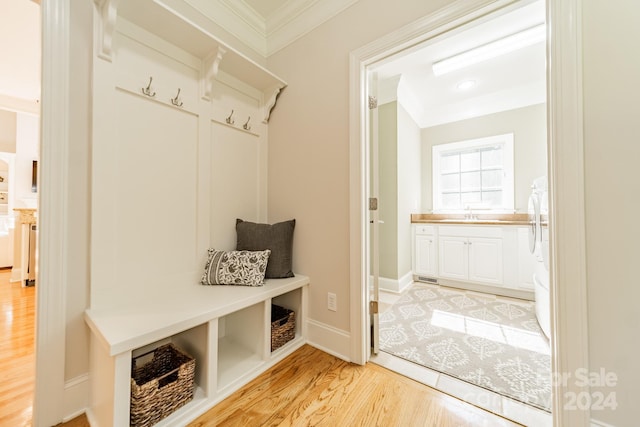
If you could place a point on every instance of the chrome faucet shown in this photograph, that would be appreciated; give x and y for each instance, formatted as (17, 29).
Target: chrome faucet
(469, 215)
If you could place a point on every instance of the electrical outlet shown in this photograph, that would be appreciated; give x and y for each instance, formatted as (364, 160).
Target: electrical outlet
(332, 301)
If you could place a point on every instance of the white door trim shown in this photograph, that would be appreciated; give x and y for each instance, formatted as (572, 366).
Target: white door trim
(569, 319)
(568, 266)
(443, 20)
(52, 218)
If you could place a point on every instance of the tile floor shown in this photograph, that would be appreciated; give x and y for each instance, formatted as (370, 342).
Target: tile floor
(488, 400)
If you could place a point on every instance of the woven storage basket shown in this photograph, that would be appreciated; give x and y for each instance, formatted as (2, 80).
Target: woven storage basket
(161, 385)
(283, 326)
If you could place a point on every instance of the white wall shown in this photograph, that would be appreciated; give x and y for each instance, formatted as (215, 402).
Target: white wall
(612, 189)
(7, 131)
(528, 124)
(409, 185)
(27, 146)
(309, 144)
(79, 194)
(399, 196)
(388, 180)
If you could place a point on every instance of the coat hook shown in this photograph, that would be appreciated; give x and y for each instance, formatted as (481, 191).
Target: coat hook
(147, 90)
(175, 101)
(230, 120)
(246, 125)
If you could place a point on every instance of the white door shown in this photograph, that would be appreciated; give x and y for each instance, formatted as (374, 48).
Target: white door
(374, 212)
(485, 260)
(425, 254)
(454, 257)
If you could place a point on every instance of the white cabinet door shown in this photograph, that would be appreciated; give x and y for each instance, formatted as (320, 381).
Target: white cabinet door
(454, 257)
(485, 260)
(425, 253)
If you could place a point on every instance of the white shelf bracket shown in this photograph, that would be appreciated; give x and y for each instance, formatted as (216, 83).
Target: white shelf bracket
(108, 10)
(271, 97)
(211, 67)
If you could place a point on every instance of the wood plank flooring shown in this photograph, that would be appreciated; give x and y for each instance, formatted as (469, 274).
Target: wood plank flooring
(313, 388)
(308, 388)
(17, 347)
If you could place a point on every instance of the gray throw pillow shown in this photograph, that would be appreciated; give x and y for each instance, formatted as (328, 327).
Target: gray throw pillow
(244, 268)
(276, 237)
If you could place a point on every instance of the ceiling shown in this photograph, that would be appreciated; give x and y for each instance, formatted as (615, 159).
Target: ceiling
(267, 26)
(20, 50)
(510, 81)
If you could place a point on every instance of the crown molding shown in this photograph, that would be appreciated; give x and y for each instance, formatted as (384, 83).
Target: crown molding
(237, 18)
(299, 17)
(248, 14)
(281, 28)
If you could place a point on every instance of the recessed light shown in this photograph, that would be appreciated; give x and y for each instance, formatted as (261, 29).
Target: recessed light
(465, 85)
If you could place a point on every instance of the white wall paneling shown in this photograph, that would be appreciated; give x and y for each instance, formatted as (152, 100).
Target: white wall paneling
(171, 171)
(170, 174)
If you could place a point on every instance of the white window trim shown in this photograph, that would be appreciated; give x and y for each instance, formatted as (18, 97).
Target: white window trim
(506, 140)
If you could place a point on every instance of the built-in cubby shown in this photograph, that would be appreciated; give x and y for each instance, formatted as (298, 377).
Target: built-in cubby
(241, 339)
(225, 328)
(175, 113)
(292, 301)
(193, 342)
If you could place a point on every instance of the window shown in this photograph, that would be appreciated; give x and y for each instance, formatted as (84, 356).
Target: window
(476, 174)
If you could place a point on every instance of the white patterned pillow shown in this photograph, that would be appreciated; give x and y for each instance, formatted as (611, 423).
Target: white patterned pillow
(244, 268)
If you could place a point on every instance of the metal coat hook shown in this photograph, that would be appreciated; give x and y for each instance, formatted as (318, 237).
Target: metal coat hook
(175, 101)
(229, 119)
(147, 90)
(246, 125)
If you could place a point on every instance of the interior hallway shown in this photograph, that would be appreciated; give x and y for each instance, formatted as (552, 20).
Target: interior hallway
(17, 344)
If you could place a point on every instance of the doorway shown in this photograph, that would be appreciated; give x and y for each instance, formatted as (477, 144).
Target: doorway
(567, 302)
(20, 43)
(471, 136)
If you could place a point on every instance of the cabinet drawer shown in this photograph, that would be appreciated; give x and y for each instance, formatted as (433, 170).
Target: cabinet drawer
(470, 231)
(425, 229)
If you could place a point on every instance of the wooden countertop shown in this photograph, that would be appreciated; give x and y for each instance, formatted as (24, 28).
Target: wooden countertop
(482, 219)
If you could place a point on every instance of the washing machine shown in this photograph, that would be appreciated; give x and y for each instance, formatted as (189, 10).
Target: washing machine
(538, 210)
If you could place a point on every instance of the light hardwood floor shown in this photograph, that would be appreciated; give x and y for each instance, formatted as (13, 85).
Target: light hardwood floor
(17, 361)
(308, 388)
(313, 388)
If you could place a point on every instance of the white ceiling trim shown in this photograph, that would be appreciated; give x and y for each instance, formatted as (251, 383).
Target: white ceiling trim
(247, 14)
(297, 18)
(282, 27)
(246, 25)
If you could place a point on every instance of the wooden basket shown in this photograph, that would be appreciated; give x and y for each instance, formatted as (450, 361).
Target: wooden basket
(283, 326)
(160, 386)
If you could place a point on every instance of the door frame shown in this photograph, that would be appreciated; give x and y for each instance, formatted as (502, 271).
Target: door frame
(566, 178)
(48, 407)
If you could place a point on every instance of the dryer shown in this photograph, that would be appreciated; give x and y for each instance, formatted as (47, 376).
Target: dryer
(539, 246)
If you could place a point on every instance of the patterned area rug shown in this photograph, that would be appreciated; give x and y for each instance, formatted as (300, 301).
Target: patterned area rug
(492, 342)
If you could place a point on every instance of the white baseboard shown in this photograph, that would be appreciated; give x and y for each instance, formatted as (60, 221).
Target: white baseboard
(596, 423)
(396, 285)
(76, 397)
(485, 288)
(16, 275)
(331, 340)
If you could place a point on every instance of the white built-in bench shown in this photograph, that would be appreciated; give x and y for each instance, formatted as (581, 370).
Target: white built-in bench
(226, 328)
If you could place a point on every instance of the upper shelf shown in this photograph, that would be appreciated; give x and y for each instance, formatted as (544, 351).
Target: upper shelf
(180, 24)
